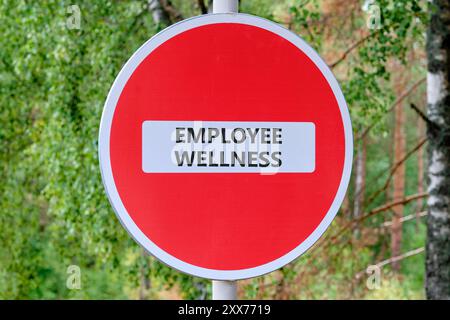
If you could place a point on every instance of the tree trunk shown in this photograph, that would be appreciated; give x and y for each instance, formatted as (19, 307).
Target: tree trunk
(360, 183)
(360, 179)
(420, 168)
(438, 221)
(145, 280)
(398, 182)
(160, 16)
(163, 12)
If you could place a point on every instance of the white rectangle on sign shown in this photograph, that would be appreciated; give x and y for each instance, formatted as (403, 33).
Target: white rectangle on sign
(228, 147)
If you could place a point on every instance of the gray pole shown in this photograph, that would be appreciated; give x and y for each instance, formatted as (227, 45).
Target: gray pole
(225, 290)
(225, 6)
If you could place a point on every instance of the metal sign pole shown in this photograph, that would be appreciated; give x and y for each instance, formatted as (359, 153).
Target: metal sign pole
(225, 6)
(225, 290)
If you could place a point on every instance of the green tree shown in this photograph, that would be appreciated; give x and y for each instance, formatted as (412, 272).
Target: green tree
(54, 78)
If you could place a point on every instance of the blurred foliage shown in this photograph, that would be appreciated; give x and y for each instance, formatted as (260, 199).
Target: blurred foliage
(53, 210)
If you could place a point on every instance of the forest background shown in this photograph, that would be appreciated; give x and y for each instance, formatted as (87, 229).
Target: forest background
(59, 237)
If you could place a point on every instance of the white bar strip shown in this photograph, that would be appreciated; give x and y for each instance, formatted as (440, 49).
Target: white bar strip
(228, 147)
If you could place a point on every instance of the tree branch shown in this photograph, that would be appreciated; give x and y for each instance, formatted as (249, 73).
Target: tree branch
(393, 259)
(434, 127)
(406, 218)
(324, 244)
(378, 210)
(396, 103)
(173, 13)
(400, 257)
(394, 169)
(351, 48)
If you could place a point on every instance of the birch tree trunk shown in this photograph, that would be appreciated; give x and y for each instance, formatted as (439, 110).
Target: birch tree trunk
(438, 221)
(163, 12)
(160, 16)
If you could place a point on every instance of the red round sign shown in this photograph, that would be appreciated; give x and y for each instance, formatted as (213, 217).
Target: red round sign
(231, 81)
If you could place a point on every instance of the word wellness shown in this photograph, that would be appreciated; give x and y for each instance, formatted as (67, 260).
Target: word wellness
(219, 138)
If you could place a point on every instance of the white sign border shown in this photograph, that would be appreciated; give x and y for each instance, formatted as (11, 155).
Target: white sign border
(104, 146)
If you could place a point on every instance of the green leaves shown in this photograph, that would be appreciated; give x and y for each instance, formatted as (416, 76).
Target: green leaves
(53, 84)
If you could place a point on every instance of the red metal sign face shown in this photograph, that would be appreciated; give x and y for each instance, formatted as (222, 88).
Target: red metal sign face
(226, 79)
